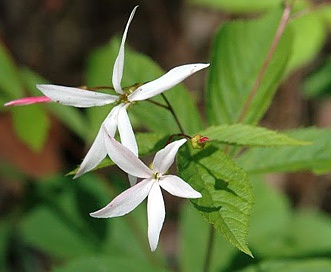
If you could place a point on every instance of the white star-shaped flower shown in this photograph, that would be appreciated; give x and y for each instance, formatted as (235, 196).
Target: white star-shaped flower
(149, 187)
(118, 117)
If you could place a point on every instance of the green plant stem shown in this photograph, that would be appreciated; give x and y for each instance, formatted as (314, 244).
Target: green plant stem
(171, 109)
(209, 251)
(257, 83)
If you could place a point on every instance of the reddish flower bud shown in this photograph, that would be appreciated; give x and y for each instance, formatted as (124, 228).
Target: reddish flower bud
(199, 141)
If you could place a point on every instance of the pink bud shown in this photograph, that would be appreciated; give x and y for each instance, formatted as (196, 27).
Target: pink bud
(28, 101)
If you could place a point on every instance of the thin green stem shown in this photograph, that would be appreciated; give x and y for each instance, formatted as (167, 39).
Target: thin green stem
(209, 251)
(157, 104)
(257, 83)
(171, 109)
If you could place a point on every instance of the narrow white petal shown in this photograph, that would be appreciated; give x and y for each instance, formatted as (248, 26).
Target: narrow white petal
(126, 159)
(98, 151)
(126, 201)
(178, 187)
(76, 97)
(132, 179)
(126, 132)
(165, 82)
(156, 215)
(166, 156)
(119, 62)
(111, 121)
(94, 156)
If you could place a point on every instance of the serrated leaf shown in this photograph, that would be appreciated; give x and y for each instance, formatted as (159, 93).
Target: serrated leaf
(71, 117)
(238, 52)
(31, 126)
(226, 193)
(315, 157)
(238, 6)
(99, 71)
(247, 135)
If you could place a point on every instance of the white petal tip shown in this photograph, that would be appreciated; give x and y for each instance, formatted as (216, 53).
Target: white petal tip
(201, 66)
(94, 214)
(153, 249)
(196, 195)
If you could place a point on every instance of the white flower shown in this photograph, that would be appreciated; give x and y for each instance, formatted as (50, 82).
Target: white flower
(149, 187)
(118, 117)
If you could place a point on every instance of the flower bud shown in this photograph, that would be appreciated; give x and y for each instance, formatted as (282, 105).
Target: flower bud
(199, 141)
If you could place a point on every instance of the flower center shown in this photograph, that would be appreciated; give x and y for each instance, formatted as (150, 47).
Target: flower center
(157, 176)
(127, 91)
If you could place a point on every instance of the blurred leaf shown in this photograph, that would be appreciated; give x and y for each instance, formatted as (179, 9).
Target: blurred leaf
(238, 52)
(318, 84)
(48, 232)
(10, 83)
(309, 35)
(193, 244)
(70, 116)
(315, 157)
(270, 216)
(325, 12)
(61, 226)
(106, 264)
(305, 265)
(5, 230)
(31, 125)
(240, 134)
(277, 231)
(99, 71)
(227, 197)
(238, 6)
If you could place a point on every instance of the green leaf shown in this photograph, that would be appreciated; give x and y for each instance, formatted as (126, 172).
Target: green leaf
(300, 265)
(318, 84)
(238, 52)
(48, 232)
(193, 237)
(71, 117)
(140, 68)
(238, 6)
(31, 125)
(227, 197)
(315, 157)
(106, 264)
(10, 84)
(5, 233)
(247, 135)
(61, 218)
(309, 35)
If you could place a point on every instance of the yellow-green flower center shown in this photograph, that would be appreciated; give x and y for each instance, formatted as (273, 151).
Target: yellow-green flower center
(127, 91)
(157, 176)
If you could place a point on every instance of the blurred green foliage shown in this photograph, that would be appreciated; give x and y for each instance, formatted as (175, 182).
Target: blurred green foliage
(51, 230)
